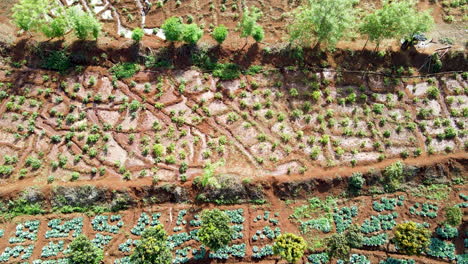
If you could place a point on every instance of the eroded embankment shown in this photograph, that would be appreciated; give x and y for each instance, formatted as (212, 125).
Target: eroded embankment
(440, 170)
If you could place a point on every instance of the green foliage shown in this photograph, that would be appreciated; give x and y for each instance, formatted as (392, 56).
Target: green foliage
(411, 238)
(396, 19)
(356, 181)
(289, 247)
(432, 192)
(57, 26)
(322, 22)
(339, 244)
(446, 231)
(220, 34)
(453, 216)
(152, 248)
(215, 231)
(393, 176)
(124, 70)
(226, 71)
(248, 25)
(173, 29)
(137, 34)
(191, 33)
(20, 207)
(84, 24)
(82, 251)
(29, 14)
(57, 60)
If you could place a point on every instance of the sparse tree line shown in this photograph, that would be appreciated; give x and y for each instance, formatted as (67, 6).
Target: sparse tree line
(315, 23)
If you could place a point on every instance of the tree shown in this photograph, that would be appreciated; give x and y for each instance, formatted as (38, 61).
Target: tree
(152, 248)
(356, 181)
(393, 176)
(248, 24)
(173, 29)
(258, 33)
(411, 238)
(53, 20)
(215, 231)
(322, 22)
(340, 244)
(289, 247)
(220, 34)
(137, 34)
(453, 216)
(191, 33)
(396, 19)
(82, 251)
(29, 14)
(84, 24)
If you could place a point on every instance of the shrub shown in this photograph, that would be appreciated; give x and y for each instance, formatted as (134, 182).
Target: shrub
(82, 251)
(226, 71)
(124, 70)
(433, 92)
(191, 33)
(137, 34)
(393, 176)
(411, 238)
(152, 248)
(453, 216)
(220, 34)
(356, 181)
(258, 33)
(173, 28)
(340, 244)
(289, 247)
(57, 61)
(215, 231)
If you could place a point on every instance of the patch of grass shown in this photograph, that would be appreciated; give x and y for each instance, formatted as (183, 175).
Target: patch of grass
(20, 207)
(436, 192)
(57, 60)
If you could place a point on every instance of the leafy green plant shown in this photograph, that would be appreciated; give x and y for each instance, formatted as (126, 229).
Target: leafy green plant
(220, 34)
(453, 216)
(289, 247)
(124, 70)
(215, 231)
(322, 22)
(82, 251)
(137, 34)
(411, 238)
(153, 247)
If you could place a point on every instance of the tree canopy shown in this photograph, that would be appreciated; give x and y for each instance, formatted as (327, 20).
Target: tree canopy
(82, 251)
(215, 231)
(396, 19)
(289, 247)
(411, 238)
(137, 34)
(220, 34)
(322, 22)
(53, 20)
(152, 248)
(249, 26)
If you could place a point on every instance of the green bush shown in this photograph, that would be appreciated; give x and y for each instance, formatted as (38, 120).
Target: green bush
(173, 28)
(191, 33)
(289, 247)
(57, 61)
(226, 71)
(220, 34)
(411, 238)
(82, 251)
(356, 181)
(124, 70)
(393, 176)
(137, 34)
(152, 248)
(453, 216)
(215, 231)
